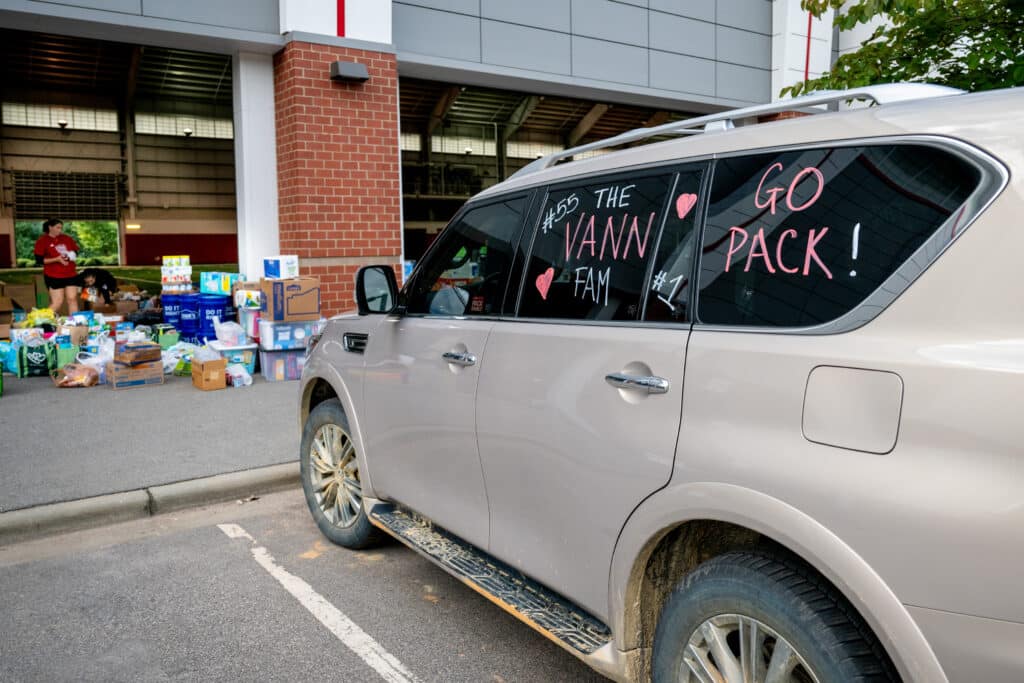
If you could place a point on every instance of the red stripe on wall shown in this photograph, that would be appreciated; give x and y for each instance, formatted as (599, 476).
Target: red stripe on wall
(5, 252)
(341, 18)
(147, 250)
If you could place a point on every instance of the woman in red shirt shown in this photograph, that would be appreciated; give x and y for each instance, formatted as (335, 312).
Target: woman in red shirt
(56, 253)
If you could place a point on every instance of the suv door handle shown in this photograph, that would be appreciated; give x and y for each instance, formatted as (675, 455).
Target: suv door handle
(650, 385)
(455, 358)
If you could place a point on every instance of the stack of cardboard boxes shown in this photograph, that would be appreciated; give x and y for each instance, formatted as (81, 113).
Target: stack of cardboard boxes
(135, 364)
(282, 312)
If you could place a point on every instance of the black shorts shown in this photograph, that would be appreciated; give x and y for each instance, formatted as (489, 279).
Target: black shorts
(60, 282)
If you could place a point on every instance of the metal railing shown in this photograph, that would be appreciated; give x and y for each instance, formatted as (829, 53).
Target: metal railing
(878, 94)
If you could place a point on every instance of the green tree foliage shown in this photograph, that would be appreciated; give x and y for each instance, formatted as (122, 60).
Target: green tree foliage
(25, 235)
(967, 44)
(97, 240)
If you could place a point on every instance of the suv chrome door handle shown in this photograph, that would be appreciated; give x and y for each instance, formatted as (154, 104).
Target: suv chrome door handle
(456, 358)
(650, 385)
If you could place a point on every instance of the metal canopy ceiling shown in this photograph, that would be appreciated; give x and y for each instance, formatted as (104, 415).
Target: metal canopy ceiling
(166, 74)
(40, 61)
(65, 64)
(424, 104)
(164, 77)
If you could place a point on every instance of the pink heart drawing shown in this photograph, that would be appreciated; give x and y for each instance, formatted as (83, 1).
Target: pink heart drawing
(544, 282)
(684, 203)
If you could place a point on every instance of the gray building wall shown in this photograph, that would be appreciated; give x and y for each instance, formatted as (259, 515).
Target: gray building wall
(709, 52)
(223, 26)
(246, 15)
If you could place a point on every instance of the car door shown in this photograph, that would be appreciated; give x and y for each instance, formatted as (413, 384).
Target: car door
(580, 400)
(422, 370)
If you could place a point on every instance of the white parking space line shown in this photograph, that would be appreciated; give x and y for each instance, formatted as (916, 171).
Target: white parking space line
(346, 630)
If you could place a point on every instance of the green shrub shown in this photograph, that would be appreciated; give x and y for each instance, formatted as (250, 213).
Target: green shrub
(26, 262)
(107, 260)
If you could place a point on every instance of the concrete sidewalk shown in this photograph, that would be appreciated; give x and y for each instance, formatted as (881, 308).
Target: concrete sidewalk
(72, 458)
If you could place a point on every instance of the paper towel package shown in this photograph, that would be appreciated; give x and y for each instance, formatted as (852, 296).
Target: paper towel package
(280, 266)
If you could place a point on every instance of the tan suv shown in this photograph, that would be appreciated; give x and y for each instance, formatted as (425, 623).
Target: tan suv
(733, 406)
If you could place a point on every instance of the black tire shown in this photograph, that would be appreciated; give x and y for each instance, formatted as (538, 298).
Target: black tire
(330, 496)
(831, 639)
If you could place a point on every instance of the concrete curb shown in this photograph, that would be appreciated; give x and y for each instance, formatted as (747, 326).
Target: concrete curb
(46, 520)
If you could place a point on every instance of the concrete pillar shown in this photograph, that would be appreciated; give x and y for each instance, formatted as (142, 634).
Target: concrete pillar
(255, 161)
(790, 45)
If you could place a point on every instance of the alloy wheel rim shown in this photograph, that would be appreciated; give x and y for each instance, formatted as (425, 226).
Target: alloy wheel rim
(732, 648)
(334, 475)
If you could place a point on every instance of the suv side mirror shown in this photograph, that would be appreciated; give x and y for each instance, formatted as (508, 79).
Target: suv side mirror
(376, 289)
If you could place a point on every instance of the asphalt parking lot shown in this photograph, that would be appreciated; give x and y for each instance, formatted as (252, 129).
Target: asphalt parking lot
(79, 446)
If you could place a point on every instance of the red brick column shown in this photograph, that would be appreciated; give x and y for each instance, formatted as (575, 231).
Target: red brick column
(337, 166)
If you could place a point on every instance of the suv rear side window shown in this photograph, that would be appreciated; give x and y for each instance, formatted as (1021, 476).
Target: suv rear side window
(591, 249)
(466, 274)
(800, 238)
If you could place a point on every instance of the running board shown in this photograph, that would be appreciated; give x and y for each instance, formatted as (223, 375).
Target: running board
(522, 597)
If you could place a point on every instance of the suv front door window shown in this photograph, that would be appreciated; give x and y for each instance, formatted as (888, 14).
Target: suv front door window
(422, 372)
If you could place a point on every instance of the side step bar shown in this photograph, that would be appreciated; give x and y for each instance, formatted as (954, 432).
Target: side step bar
(545, 611)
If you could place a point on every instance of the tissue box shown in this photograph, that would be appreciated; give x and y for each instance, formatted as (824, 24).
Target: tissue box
(281, 266)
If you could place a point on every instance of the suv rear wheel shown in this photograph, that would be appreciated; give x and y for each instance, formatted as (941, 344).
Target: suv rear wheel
(754, 617)
(330, 478)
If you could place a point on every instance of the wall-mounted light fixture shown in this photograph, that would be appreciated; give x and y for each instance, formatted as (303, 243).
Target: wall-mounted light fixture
(133, 226)
(349, 71)
(187, 132)
(62, 123)
(468, 150)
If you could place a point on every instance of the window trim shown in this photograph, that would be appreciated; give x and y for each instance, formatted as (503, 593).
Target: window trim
(529, 197)
(670, 169)
(994, 178)
(700, 210)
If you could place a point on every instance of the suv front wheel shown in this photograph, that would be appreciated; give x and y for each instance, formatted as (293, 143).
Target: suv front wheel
(330, 478)
(747, 617)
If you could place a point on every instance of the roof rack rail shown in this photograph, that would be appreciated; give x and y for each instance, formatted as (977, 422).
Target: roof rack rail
(879, 94)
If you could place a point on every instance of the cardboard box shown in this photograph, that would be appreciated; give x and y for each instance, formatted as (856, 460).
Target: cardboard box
(6, 316)
(123, 376)
(77, 334)
(126, 306)
(290, 300)
(288, 336)
(276, 267)
(100, 307)
(209, 375)
(21, 296)
(136, 353)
